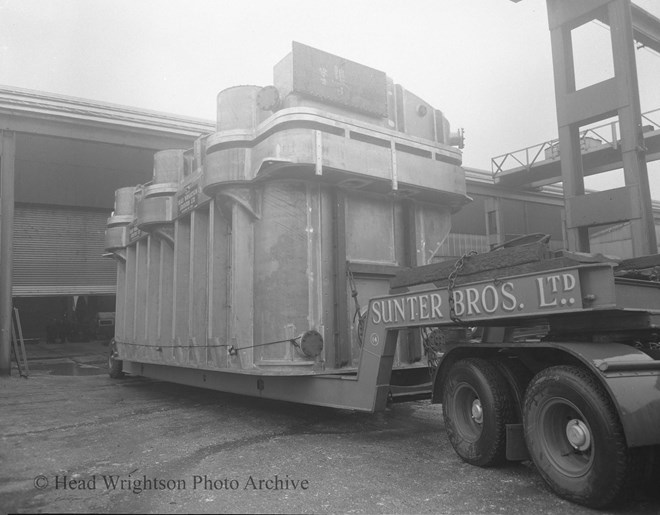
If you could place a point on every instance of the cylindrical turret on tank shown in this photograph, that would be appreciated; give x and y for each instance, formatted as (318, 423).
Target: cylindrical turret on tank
(122, 216)
(157, 204)
(237, 109)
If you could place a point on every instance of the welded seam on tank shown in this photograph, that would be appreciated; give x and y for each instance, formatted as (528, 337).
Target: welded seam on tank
(337, 126)
(310, 259)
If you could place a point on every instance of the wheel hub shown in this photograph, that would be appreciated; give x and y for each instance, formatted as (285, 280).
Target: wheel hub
(477, 411)
(578, 434)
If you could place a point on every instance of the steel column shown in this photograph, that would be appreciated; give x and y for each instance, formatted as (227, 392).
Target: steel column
(7, 162)
(630, 120)
(569, 141)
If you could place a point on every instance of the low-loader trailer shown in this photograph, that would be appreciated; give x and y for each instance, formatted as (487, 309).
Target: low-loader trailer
(243, 263)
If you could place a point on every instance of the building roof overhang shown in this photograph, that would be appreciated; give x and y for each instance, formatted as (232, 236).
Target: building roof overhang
(36, 112)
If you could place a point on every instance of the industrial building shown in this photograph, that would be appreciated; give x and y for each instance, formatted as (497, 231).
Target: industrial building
(67, 157)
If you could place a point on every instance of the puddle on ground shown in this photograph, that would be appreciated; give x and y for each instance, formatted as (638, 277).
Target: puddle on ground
(68, 369)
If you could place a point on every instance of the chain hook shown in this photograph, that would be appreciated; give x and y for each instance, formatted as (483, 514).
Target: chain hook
(458, 266)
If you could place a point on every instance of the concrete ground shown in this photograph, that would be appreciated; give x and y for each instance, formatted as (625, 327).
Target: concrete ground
(74, 440)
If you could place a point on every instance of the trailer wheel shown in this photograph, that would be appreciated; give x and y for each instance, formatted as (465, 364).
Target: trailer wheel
(115, 365)
(477, 405)
(575, 438)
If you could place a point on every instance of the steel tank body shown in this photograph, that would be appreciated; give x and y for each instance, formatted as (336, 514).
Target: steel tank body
(256, 251)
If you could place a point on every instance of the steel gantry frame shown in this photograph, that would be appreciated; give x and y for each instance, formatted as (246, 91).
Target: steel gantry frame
(618, 97)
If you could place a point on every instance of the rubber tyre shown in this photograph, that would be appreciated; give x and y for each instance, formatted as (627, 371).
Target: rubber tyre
(115, 365)
(481, 443)
(602, 473)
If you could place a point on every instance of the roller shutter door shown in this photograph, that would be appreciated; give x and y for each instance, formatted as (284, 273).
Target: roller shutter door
(58, 251)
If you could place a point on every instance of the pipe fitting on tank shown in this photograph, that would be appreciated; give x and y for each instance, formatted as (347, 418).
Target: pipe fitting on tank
(268, 99)
(311, 343)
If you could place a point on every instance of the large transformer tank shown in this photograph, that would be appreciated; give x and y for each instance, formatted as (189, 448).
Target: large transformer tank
(253, 251)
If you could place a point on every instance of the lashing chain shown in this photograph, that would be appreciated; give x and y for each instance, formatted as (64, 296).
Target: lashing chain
(433, 341)
(360, 317)
(458, 266)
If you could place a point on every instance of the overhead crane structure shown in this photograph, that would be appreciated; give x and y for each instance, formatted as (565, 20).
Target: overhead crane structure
(635, 138)
(540, 165)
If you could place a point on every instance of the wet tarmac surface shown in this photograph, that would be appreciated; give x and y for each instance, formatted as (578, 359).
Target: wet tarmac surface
(68, 368)
(74, 440)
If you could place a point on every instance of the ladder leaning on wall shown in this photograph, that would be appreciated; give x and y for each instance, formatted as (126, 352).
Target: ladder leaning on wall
(18, 345)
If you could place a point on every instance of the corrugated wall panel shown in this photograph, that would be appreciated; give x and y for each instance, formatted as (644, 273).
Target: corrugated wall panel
(59, 251)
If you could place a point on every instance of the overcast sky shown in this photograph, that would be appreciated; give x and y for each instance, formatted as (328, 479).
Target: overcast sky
(485, 63)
